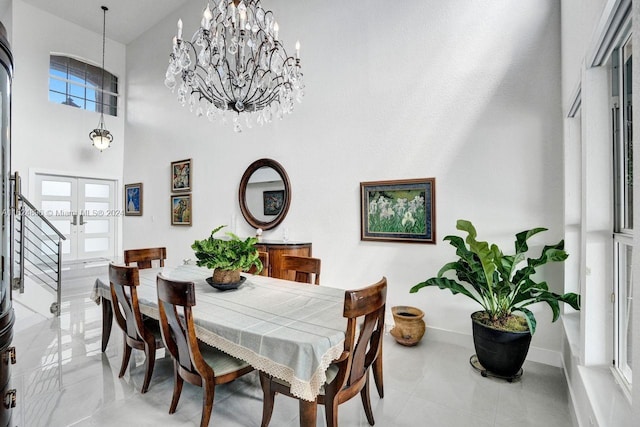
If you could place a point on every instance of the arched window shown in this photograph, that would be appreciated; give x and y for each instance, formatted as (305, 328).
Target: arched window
(78, 84)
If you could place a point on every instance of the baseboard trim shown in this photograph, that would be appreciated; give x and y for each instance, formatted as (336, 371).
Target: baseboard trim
(536, 354)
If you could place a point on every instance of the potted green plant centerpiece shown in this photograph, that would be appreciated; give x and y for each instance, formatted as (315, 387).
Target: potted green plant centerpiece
(503, 285)
(227, 257)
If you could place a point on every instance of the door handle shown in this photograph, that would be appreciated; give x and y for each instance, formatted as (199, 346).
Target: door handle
(74, 221)
(82, 221)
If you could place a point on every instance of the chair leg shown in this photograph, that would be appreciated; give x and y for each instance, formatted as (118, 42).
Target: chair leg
(177, 388)
(208, 389)
(331, 411)
(308, 413)
(377, 374)
(268, 400)
(150, 360)
(107, 321)
(366, 401)
(126, 355)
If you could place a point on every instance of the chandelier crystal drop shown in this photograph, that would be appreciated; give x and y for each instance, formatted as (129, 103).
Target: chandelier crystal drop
(235, 65)
(100, 137)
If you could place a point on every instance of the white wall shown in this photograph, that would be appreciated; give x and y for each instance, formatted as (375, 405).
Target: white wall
(54, 137)
(467, 92)
(579, 21)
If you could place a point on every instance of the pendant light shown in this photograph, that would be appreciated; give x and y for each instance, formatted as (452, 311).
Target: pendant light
(101, 138)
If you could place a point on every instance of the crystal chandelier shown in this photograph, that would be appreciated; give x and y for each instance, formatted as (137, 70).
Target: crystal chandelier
(101, 138)
(235, 65)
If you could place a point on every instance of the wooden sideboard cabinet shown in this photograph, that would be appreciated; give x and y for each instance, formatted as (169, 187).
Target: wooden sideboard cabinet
(276, 249)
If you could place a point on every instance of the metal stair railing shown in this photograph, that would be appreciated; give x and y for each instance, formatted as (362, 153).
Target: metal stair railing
(37, 245)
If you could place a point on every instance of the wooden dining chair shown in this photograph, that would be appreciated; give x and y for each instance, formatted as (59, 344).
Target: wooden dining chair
(264, 258)
(144, 257)
(140, 332)
(348, 375)
(193, 361)
(305, 267)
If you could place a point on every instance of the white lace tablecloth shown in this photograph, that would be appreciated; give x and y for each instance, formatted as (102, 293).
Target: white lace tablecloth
(289, 330)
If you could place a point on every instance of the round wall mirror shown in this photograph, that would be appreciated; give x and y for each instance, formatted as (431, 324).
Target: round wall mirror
(264, 194)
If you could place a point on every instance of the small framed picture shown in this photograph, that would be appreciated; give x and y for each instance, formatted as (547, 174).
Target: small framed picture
(181, 209)
(273, 201)
(181, 176)
(133, 199)
(401, 211)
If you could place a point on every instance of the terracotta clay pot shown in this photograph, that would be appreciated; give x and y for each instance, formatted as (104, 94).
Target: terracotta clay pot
(409, 325)
(226, 276)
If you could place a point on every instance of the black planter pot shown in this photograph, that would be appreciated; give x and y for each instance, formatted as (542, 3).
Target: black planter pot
(499, 352)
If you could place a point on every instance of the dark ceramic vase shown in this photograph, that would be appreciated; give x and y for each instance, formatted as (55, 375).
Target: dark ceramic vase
(500, 352)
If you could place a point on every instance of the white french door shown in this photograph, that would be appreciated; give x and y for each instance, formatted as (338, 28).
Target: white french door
(83, 210)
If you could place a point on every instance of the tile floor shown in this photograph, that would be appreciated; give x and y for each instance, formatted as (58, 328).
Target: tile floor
(63, 379)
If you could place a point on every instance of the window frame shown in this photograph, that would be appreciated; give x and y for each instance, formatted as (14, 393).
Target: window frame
(82, 81)
(622, 142)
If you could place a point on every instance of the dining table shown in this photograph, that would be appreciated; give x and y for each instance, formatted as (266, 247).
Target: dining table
(290, 330)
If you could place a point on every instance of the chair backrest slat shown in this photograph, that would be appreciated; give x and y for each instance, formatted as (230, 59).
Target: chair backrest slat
(176, 320)
(144, 257)
(305, 267)
(123, 282)
(364, 309)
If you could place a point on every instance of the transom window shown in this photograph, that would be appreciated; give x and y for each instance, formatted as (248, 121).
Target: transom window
(78, 84)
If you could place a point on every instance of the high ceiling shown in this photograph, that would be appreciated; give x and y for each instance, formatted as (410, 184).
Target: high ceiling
(126, 19)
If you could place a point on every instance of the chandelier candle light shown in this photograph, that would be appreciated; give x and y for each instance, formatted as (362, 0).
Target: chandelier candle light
(101, 137)
(235, 65)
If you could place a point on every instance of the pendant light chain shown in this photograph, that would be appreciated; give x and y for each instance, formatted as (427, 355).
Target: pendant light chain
(104, 25)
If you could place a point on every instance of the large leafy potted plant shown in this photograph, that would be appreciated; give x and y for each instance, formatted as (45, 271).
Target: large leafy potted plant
(503, 285)
(227, 257)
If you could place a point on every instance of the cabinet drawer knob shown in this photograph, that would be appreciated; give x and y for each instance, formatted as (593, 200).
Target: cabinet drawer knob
(9, 355)
(10, 399)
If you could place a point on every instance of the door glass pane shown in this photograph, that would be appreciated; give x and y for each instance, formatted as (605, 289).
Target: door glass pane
(96, 190)
(66, 246)
(56, 207)
(96, 226)
(56, 188)
(97, 244)
(96, 208)
(63, 226)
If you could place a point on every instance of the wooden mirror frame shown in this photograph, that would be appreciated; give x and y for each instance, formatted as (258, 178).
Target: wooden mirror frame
(248, 216)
